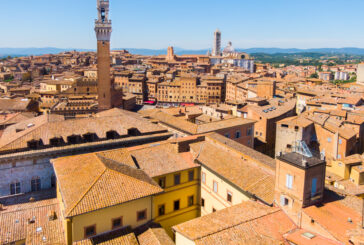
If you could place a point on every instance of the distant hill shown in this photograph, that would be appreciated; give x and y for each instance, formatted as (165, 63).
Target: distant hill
(4, 52)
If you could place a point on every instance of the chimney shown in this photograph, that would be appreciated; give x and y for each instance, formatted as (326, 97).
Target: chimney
(52, 215)
(304, 162)
(32, 220)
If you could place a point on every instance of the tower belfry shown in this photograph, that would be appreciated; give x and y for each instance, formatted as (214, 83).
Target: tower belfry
(103, 35)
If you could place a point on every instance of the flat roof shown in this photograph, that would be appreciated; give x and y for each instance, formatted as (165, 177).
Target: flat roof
(297, 159)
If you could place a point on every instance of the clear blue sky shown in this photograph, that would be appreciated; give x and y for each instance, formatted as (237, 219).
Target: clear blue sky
(185, 23)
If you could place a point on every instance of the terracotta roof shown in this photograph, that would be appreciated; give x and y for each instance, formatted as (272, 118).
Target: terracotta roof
(296, 121)
(246, 152)
(301, 237)
(352, 159)
(335, 215)
(17, 104)
(246, 223)
(191, 128)
(246, 175)
(14, 225)
(15, 118)
(46, 127)
(123, 236)
(154, 159)
(274, 108)
(85, 178)
(155, 236)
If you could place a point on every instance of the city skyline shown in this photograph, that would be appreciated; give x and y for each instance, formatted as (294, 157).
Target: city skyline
(281, 24)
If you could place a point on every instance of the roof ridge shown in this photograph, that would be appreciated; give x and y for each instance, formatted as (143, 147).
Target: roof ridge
(155, 236)
(334, 234)
(234, 225)
(93, 183)
(127, 166)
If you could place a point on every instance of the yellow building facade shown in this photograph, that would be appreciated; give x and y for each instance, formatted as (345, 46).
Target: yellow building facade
(179, 202)
(106, 219)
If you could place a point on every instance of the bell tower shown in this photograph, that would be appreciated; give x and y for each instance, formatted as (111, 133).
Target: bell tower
(103, 34)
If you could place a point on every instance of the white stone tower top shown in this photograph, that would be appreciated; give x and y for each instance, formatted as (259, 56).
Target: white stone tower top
(103, 24)
(216, 50)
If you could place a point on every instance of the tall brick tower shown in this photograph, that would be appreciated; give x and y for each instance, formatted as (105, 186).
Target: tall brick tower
(103, 34)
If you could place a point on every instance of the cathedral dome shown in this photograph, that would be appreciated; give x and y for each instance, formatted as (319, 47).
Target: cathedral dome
(229, 49)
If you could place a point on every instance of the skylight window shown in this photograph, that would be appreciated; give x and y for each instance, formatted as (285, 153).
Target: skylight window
(308, 235)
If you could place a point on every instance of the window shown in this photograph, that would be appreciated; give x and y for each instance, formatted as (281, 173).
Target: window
(176, 205)
(191, 175)
(15, 188)
(202, 202)
(90, 231)
(190, 201)
(284, 201)
(203, 177)
(118, 222)
(53, 181)
(314, 187)
(296, 128)
(142, 215)
(177, 179)
(161, 210)
(229, 197)
(35, 184)
(162, 182)
(227, 135)
(249, 132)
(289, 181)
(329, 140)
(213, 210)
(237, 134)
(340, 141)
(338, 156)
(215, 187)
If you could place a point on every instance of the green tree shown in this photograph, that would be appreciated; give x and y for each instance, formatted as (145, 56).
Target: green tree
(315, 75)
(11, 78)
